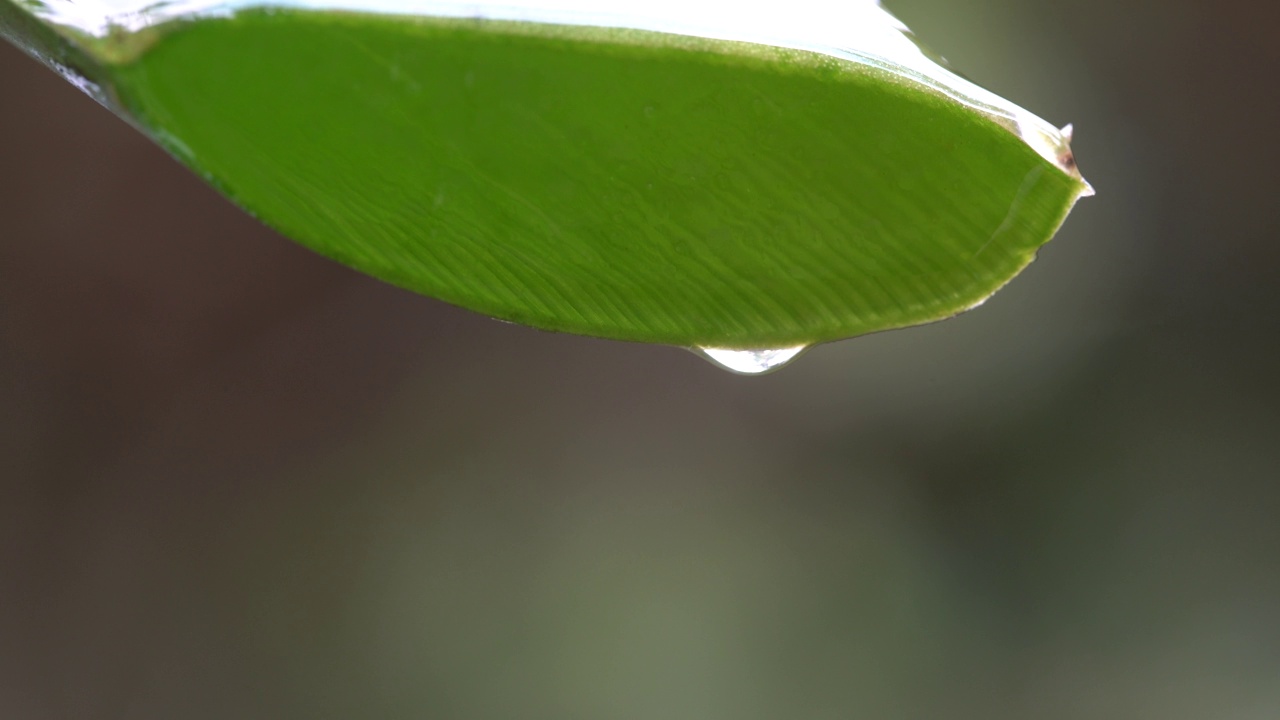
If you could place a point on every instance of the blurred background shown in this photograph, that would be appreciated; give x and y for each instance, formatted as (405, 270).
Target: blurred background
(238, 480)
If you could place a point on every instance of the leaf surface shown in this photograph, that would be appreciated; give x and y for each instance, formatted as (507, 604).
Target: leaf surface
(614, 177)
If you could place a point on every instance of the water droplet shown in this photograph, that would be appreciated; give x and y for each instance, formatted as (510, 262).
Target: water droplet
(85, 85)
(751, 362)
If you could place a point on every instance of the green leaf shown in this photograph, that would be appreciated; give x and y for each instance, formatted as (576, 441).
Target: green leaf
(747, 179)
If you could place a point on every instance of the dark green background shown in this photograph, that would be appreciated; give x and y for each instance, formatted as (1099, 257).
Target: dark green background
(237, 480)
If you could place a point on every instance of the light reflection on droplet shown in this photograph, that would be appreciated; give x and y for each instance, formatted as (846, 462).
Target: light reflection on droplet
(751, 362)
(77, 79)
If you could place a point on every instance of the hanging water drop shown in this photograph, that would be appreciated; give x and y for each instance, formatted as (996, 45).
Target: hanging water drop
(751, 362)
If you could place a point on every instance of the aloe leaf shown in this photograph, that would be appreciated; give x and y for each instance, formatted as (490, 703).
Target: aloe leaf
(701, 174)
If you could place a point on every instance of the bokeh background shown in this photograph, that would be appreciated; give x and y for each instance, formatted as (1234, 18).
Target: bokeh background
(240, 481)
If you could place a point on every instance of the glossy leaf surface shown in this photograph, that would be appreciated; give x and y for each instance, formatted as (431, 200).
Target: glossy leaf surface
(622, 182)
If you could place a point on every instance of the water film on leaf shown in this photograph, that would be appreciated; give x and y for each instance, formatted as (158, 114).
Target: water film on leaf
(748, 179)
